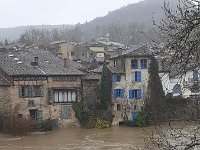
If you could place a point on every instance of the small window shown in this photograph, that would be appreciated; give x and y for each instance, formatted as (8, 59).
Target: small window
(118, 107)
(118, 93)
(143, 63)
(195, 75)
(177, 89)
(31, 91)
(135, 94)
(65, 112)
(72, 54)
(136, 76)
(135, 107)
(116, 77)
(134, 64)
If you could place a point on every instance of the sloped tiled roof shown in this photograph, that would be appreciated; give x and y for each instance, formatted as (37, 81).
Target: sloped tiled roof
(141, 51)
(19, 63)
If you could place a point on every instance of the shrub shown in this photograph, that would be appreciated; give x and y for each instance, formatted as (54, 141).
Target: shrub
(17, 126)
(142, 119)
(45, 125)
(101, 124)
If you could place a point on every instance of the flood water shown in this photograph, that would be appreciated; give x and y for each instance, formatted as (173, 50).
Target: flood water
(115, 138)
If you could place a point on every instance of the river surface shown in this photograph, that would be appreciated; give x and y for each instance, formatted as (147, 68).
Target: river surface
(115, 138)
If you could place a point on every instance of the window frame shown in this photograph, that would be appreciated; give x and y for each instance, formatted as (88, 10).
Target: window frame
(26, 91)
(135, 94)
(63, 91)
(134, 64)
(144, 63)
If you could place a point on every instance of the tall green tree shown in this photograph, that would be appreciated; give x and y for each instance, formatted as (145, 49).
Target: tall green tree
(106, 87)
(156, 94)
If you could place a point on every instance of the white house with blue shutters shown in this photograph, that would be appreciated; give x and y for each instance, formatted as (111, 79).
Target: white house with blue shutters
(129, 87)
(182, 85)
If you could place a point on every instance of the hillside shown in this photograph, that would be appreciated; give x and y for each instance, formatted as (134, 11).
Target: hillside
(140, 13)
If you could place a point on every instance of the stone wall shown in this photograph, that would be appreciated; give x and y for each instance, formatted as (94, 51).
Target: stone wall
(127, 84)
(49, 110)
(90, 91)
(5, 101)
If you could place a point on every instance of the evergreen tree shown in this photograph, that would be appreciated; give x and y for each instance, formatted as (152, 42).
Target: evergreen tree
(156, 94)
(106, 87)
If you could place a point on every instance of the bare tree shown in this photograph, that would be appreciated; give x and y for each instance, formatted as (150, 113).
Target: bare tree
(180, 32)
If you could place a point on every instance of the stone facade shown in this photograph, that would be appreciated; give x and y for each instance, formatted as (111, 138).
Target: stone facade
(5, 101)
(125, 103)
(45, 103)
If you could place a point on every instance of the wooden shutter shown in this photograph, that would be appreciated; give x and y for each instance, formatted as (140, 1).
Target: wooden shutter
(130, 94)
(133, 77)
(30, 91)
(20, 91)
(115, 93)
(39, 114)
(139, 76)
(122, 93)
(139, 93)
(64, 112)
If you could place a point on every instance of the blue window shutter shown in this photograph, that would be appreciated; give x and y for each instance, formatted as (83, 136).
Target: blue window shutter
(195, 75)
(130, 94)
(39, 114)
(139, 76)
(122, 93)
(30, 91)
(64, 112)
(143, 63)
(134, 64)
(134, 115)
(133, 77)
(115, 93)
(41, 91)
(139, 93)
(20, 91)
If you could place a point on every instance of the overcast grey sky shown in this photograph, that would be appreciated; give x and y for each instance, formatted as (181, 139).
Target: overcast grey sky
(35, 12)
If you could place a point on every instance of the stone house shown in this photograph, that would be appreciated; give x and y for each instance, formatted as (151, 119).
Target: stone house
(130, 80)
(63, 49)
(39, 85)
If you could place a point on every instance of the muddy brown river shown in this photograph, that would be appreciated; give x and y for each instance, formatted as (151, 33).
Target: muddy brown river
(115, 138)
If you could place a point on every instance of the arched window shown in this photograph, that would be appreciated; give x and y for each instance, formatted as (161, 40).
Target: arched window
(177, 89)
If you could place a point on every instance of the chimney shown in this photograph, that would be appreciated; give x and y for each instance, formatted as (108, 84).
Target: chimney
(35, 62)
(65, 62)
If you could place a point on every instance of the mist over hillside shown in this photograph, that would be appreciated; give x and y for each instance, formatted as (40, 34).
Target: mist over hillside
(138, 14)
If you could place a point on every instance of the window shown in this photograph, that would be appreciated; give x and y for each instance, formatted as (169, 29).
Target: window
(36, 114)
(177, 89)
(72, 54)
(118, 93)
(65, 112)
(64, 96)
(136, 76)
(118, 107)
(195, 75)
(114, 63)
(143, 63)
(116, 77)
(134, 64)
(31, 91)
(135, 94)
